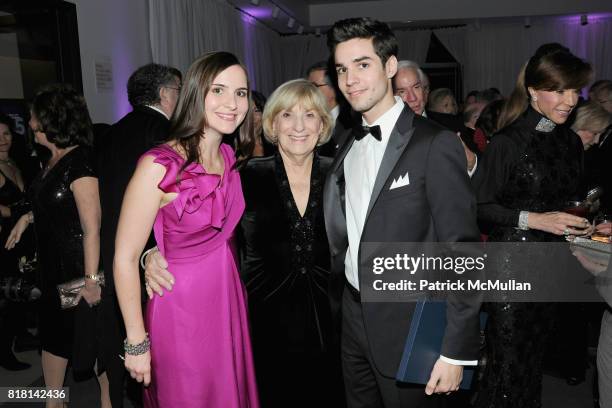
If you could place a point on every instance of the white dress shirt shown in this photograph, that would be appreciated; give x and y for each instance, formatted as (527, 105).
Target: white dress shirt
(361, 166)
(335, 112)
(155, 108)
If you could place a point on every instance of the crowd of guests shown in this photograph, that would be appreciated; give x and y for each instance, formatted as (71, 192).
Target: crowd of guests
(215, 232)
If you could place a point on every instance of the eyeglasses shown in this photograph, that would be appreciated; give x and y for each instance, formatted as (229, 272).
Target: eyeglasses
(176, 88)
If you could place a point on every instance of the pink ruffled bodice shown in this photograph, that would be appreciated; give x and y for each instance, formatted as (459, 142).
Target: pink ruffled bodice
(206, 209)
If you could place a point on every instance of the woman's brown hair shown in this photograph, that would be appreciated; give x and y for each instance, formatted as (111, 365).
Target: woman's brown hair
(189, 119)
(553, 67)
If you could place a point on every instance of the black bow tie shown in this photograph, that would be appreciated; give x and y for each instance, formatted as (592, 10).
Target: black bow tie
(362, 131)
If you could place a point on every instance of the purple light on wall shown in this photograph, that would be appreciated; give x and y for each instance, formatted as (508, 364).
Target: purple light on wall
(248, 28)
(592, 17)
(122, 69)
(258, 12)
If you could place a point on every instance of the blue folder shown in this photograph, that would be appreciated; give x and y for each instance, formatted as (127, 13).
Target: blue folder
(424, 343)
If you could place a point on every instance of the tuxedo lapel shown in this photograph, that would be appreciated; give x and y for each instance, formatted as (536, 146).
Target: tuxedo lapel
(334, 204)
(398, 140)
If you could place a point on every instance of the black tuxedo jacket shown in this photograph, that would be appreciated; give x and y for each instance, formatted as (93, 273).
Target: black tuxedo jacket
(123, 145)
(346, 121)
(455, 123)
(437, 206)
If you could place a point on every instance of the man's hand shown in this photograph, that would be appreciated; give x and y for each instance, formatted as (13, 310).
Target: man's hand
(445, 378)
(469, 155)
(157, 275)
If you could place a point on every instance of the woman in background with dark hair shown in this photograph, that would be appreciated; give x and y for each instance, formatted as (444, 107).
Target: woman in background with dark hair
(531, 168)
(250, 141)
(486, 125)
(11, 193)
(66, 216)
(197, 351)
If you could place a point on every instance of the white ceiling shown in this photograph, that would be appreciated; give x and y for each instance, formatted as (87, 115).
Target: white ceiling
(313, 14)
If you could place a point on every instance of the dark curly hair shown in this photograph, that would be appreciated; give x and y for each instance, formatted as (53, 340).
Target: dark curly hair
(63, 116)
(144, 84)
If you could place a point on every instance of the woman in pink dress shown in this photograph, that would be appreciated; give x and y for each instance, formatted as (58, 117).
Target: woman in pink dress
(197, 352)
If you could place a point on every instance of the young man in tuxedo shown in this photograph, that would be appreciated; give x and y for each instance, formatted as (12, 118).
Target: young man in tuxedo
(363, 204)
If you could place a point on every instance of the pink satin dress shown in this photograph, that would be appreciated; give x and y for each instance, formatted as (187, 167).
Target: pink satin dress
(200, 346)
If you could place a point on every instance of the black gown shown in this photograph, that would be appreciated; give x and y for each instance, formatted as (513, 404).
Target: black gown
(523, 169)
(11, 314)
(59, 239)
(286, 271)
(10, 194)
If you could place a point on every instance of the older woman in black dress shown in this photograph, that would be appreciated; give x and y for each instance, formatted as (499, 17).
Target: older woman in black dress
(531, 168)
(286, 257)
(65, 210)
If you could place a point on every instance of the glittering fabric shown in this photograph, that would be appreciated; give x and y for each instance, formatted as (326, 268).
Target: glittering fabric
(59, 240)
(523, 169)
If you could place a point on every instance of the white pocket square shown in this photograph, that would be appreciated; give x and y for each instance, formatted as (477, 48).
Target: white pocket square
(401, 181)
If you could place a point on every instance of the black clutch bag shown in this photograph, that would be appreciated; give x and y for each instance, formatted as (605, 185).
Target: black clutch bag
(69, 291)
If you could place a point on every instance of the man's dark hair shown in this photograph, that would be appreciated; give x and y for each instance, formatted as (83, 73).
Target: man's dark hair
(383, 39)
(144, 84)
(472, 93)
(317, 66)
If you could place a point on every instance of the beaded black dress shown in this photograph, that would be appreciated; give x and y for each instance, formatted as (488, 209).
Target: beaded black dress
(285, 266)
(531, 165)
(59, 240)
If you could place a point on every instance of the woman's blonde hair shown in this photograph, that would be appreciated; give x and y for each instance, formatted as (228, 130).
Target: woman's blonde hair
(297, 92)
(591, 116)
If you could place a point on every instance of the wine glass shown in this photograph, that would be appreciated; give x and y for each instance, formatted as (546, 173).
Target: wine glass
(577, 208)
(603, 228)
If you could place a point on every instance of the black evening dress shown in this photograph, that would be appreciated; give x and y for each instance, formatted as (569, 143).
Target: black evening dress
(286, 271)
(59, 240)
(531, 165)
(10, 313)
(10, 194)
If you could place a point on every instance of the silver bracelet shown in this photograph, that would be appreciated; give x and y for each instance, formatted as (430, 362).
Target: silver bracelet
(137, 349)
(144, 256)
(523, 223)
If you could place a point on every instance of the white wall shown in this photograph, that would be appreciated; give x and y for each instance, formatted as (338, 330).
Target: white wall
(117, 30)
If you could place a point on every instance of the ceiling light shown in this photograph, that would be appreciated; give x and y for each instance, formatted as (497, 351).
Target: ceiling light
(291, 22)
(300, 29)
(275, 12)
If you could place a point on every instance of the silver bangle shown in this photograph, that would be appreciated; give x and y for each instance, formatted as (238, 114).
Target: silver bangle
(523, 223)
(137, 349)
(144, 256)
